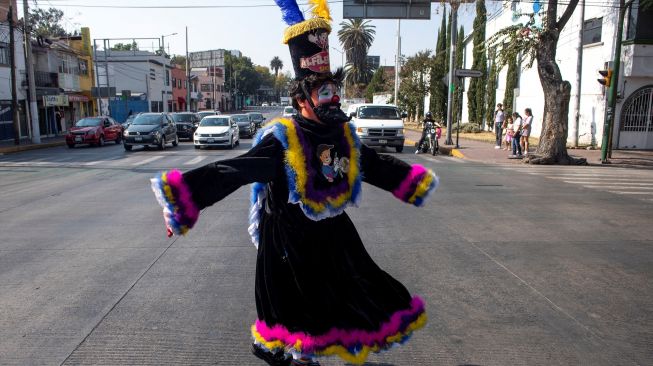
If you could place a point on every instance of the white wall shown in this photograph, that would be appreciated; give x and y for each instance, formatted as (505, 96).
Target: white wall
(5, 71)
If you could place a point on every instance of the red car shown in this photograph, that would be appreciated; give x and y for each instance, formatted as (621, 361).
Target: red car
(95, 131)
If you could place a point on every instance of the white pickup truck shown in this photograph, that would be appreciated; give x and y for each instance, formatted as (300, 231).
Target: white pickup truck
(378, 124)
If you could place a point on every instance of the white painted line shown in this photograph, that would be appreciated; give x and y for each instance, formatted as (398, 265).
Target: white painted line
(148, 160)
(624, 181)
(618, 187)
(621, 192)
(89, 163)
(195, 160)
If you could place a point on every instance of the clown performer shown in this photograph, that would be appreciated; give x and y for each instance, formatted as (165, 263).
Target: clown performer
(318, 292)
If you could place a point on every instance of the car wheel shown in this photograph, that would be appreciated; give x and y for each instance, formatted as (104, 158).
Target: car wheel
(127, 147)
(71, 146)
(231, 142)
(176, 141)
(197, 147)
(162, 143)
(100, 142)
(399, 148)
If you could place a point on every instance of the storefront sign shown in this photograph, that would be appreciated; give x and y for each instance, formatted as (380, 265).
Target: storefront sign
(77, 98)
(60, 100)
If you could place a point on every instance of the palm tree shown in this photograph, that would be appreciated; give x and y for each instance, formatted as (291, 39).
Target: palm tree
(356, 36)
(276, 64)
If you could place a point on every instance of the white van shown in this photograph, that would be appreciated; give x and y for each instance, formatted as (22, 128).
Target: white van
(378, 124)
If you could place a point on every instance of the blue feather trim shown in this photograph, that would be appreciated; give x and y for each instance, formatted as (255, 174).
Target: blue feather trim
(290, 11)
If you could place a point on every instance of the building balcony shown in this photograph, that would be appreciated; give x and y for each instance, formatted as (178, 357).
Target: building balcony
(46, 79)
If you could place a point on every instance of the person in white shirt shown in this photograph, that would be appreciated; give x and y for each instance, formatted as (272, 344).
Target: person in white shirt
(498, 124)
(526, 129)
(516, 137)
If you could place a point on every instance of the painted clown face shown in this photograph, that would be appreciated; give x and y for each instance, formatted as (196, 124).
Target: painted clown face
(326, 92)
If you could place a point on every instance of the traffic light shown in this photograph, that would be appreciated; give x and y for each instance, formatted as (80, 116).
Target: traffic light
(607, 76)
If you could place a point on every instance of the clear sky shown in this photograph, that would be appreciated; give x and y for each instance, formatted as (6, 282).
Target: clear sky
(252, 26)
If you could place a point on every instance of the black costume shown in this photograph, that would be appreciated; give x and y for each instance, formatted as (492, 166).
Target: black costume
(318, 292)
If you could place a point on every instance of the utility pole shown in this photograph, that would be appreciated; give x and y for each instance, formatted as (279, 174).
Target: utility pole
(452, 79)
(579, 75)
(397, 62)
(606, 149)
(187, 75)
(97, 78)
(33, 107)
(12, 60)
(106, 70)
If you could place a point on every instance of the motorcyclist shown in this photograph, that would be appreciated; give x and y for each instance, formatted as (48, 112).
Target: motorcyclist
(427, 123)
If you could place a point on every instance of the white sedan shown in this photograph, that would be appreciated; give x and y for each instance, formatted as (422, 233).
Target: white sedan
(216, 130)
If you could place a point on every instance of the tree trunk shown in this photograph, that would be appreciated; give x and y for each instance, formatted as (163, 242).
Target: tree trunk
(552, 148)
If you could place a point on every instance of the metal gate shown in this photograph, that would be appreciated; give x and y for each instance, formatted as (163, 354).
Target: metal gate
(636, 123)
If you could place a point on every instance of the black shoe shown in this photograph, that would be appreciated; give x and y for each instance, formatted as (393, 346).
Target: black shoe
(272, 359)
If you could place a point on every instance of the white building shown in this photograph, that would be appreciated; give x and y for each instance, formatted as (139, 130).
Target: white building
(143, 73)
(633, 123)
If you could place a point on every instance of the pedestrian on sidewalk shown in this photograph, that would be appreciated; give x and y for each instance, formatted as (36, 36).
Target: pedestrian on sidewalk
(318, 292)
(526, 129)
(516, 136)
(499, 117)
(509, 132)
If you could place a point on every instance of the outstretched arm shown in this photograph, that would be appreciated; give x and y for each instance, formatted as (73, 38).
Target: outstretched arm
(182, 196)
(409, 183)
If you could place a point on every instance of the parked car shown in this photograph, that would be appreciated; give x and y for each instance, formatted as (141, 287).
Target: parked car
(151, 129)
(216, 130)
(203, 114)
(257, 118)
(245, 125)
(129, 120)
(186, 123)
(95, 131)
(288, 112)
(379, 125)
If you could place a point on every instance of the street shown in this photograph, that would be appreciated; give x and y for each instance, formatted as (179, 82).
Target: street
(518, 265)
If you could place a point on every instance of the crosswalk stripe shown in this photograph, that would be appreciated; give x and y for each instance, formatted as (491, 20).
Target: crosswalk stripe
(611, 181)
(618, 187)
(148, 160)
(637, 193)
(195, 160)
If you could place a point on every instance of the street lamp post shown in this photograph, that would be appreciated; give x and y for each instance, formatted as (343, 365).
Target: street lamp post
(342, 62)
(164, 101)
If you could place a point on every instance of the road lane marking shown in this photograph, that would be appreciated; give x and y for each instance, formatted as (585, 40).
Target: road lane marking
(641, 193)
(618, 187)
(148, 160)
(625, 182)
(195, 161)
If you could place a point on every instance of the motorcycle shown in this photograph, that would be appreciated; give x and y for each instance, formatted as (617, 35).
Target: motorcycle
(433, 131)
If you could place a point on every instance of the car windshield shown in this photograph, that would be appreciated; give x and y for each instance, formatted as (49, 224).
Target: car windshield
(256, 115)
(130, 118)
(204, 114)
(378, 113)
(89, 122)
(241, 118)
(147, 119)
(182, 117)
(209, 122)
(289, 110)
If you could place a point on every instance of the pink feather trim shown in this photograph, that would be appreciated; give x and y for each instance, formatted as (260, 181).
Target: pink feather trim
(406, 188)
(346, 338)
(187, 207)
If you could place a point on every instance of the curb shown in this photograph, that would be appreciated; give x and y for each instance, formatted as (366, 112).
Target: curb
(19, 148)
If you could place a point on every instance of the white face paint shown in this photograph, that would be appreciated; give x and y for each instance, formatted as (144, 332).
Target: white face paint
(325, 93)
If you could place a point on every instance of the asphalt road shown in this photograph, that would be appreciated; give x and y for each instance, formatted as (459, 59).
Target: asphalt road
(518, 265)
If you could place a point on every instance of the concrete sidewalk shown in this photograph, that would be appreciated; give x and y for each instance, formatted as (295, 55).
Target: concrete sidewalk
(8, 146)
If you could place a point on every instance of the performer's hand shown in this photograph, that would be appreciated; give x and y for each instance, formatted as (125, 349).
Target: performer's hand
(167, 218)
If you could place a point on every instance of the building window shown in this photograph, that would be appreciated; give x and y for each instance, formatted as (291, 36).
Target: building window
(178, 83)
(4, 54)
(83, 67)
(174, 82)
(592, 31)
(206, 87)
(167, 77)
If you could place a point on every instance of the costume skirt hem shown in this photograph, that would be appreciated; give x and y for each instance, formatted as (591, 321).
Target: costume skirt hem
(352, 345)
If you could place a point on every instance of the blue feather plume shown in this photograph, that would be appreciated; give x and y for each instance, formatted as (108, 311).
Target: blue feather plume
(290, 11)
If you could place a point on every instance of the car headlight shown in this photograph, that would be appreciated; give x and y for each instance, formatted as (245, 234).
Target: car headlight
(125, 133)
(400, 132)
(154, 133)
(362, 130)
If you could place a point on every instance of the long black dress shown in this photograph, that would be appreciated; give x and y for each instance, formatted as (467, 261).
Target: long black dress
(318, 292)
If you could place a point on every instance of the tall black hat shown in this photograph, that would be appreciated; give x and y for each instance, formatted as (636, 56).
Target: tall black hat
(308, 40)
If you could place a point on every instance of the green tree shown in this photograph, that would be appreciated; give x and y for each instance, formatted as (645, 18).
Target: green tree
(458, 95)
(125, 47)
(511, 84)
(47, 23)
(240, 77)
(376, 85)
(415, 83)
(276, 64)
(491, 96)
(438, 89)
(179, 60)
(477, 86)
(356, 37)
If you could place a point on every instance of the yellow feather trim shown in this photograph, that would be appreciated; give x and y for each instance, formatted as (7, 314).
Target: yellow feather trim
(422, 187)
(321, 9)
(305, 26)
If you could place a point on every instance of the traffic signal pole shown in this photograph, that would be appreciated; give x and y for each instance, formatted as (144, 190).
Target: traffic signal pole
(606, 148)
